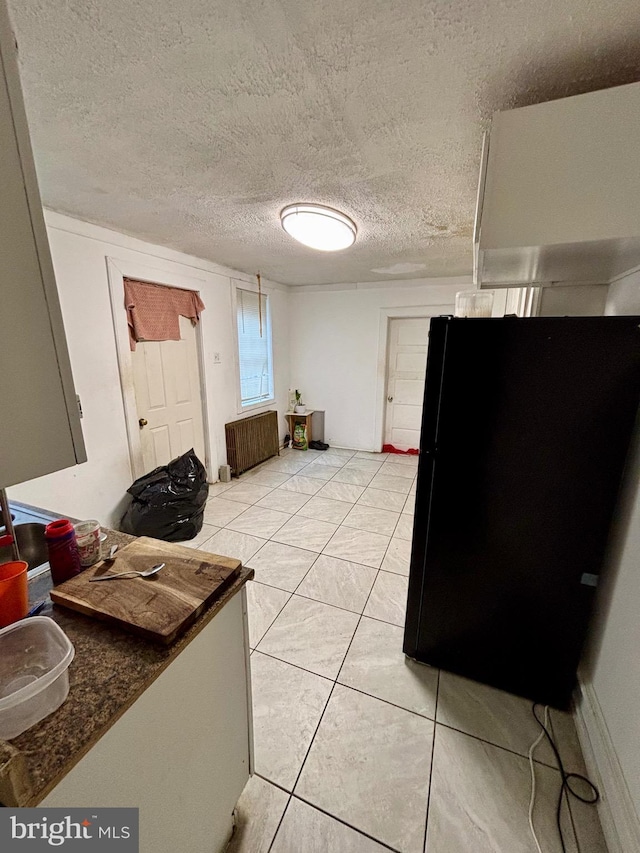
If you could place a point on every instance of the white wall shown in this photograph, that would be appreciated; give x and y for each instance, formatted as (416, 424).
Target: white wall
(97, 488)
(624, 295)
(336, 359)
(586, 300)
(613, 666)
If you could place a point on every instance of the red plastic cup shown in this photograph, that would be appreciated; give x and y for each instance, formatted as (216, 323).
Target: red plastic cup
(14, 592)
(64, 557)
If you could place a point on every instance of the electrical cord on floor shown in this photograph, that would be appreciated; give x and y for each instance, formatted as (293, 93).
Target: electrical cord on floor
(532, 801)
(567, 779)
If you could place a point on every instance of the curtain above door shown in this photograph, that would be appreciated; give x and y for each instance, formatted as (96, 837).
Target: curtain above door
(153, 310)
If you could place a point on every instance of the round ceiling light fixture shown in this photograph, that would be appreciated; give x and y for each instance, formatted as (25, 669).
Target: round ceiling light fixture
(319, 227)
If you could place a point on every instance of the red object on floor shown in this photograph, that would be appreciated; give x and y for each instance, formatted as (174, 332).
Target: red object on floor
(389, 448)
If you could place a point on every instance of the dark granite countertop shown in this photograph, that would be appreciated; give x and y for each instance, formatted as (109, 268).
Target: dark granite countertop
(111, 669)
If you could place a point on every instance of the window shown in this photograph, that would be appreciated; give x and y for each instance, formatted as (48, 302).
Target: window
(254, 350)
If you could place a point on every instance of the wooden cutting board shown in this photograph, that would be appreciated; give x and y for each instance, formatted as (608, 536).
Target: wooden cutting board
(161, 607)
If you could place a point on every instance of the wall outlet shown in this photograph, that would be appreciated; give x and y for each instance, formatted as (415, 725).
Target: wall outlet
(216, 358)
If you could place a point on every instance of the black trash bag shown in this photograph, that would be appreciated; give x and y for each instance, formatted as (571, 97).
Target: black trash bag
(169, 502)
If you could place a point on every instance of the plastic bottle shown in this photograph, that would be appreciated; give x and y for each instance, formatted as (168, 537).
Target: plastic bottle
(64, 557)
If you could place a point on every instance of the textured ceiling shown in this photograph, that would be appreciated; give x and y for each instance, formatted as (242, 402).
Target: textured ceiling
(192, 123)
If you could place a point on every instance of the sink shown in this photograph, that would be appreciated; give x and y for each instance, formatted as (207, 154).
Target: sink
(32, 545)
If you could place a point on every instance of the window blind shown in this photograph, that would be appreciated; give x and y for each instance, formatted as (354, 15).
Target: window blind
(254, 351)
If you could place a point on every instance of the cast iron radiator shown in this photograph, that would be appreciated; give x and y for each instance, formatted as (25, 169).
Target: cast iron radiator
(251, 441)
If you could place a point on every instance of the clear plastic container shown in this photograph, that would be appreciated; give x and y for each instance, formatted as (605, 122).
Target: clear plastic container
(34, 673)
(88, 539)
(474, 303)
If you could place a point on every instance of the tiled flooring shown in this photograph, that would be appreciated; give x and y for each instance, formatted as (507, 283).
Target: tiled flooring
(357, 749)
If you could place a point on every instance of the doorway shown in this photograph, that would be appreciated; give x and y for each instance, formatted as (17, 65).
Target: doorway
(406, 369)
(162, 382)
(167, 382)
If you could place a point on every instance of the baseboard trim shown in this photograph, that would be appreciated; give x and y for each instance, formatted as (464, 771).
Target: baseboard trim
(618, 816)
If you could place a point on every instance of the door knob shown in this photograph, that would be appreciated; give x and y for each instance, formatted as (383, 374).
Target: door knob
(143, 422)
(389, 399)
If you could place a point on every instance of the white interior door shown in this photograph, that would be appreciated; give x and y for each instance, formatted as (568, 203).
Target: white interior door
(406, 368)
(166, 376)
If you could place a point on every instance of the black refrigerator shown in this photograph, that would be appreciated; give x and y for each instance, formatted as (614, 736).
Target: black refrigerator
(526, 426)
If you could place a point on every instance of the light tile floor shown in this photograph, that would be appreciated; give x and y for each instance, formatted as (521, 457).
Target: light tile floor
(357, 749)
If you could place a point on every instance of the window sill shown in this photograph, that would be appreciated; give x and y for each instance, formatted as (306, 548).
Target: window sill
(255, 406)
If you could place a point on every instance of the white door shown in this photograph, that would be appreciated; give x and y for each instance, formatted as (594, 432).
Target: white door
(406, 368)
(166, 378)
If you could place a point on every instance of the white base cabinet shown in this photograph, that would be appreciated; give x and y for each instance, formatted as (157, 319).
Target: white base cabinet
(182, 752)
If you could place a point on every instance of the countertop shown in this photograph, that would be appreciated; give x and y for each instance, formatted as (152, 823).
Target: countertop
(111, 669)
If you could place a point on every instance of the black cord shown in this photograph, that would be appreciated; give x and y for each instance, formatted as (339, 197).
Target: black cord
(566, 781)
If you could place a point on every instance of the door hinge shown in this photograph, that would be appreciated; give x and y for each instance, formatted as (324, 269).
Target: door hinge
(78, 401)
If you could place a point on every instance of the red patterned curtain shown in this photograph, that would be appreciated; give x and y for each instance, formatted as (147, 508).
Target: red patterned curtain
(153, 310)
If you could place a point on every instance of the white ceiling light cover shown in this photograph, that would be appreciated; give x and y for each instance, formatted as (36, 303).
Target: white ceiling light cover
(319, 227)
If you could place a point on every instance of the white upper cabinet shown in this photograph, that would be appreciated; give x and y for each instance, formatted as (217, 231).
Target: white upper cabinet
(559, 194)
(39, 419)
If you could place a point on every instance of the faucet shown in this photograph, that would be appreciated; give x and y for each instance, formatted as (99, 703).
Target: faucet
(8, 537)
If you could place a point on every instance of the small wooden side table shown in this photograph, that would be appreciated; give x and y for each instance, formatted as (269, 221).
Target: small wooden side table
(305, 418)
